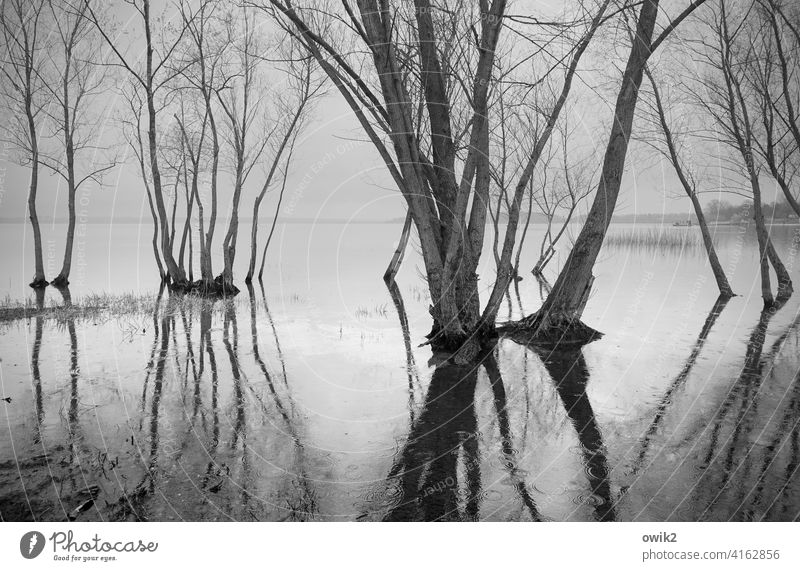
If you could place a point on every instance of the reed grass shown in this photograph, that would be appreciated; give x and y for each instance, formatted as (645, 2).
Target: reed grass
(379, 311)
(667, 240)
(108, 306)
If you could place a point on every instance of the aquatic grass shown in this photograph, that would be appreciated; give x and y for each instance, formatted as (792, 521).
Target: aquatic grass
(420, 294)
(378, 311)
(295, 298)
(105, 306)
(665, 240)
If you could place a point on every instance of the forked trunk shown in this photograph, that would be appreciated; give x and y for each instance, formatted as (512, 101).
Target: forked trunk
(563, 307)
(785, 287)
(229, 243)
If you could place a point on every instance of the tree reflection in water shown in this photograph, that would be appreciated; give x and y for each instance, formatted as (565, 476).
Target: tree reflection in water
(437, 473)
(210, 429)
(568, 370)
(753, 432)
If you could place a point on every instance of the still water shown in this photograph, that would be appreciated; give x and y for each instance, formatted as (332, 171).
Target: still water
(311, 399)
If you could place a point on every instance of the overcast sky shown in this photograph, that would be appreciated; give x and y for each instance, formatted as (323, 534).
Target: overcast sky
(335, 175)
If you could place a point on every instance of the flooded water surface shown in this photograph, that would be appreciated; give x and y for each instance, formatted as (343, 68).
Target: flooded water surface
(312, 397)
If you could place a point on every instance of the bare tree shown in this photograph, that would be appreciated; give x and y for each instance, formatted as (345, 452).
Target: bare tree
(159, 50)
(729, 102)
(775, 77)
(241, 96)
(201, 68)
(76, 81)
(23, 28)
(422, 96)
(293, 106)
(552, 116)
(569, 186)
(671, 150)
(132, 131)
(192, 149)
(559, 316)
(176, 159)
(284, 179)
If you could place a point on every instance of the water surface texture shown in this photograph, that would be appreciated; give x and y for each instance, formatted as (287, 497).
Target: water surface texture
(310, 398)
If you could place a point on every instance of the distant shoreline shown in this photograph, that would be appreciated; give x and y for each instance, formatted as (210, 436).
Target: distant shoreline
(643, 219)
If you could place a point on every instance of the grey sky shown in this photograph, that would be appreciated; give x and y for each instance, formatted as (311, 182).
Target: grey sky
(335, 174)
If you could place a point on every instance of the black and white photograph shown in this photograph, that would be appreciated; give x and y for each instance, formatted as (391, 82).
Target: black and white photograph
(511, 261)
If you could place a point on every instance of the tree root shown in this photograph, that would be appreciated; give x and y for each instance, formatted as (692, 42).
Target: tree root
(206, 288)
(550, 332)
(60, 281)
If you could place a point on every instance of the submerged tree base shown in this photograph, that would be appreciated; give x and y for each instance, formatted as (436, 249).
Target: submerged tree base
(60, 281)
(462, 348)
(39, 283)
(548, 331)
(206, 288)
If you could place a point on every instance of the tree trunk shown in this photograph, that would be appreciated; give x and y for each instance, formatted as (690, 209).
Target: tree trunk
(207, 284)
(274, 218)
(39, 280)
(172, 225)
(212, 222)
(229, 243)
(62, 279)
(725, 290)
(397, 257)
(743, 134)
(785, 287)
(191, 258)
(719, 274)
(562, 308)
(251, 268)
(504, 272)
(154, 215)
(287, 137)
(551, 247)
(186, 228)
(206, 275)
(524, 235)
(175, 273)
(763, 238)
